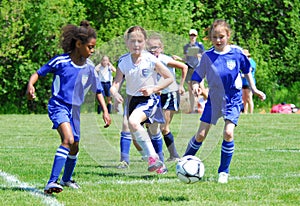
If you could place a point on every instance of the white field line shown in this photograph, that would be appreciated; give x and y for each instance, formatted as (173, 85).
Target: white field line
(244, 149)
(271, 150)
(12, 181)
(209, 179)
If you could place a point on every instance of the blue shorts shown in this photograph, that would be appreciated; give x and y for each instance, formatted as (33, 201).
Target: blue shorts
(60, 112)
(106, 88)
(228, 107)
(170, 101)
(150, 106)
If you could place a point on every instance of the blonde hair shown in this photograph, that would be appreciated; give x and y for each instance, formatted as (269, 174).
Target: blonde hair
(222, 23)
(157, 37)
(135, 29)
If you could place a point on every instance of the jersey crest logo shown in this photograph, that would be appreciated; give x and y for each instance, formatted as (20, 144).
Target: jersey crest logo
(84, 79)
(145, 72)
(231, 64)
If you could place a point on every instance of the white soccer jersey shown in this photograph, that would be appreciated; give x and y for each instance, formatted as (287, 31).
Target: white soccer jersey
(105, 73)
(174, 86)
(140, 75)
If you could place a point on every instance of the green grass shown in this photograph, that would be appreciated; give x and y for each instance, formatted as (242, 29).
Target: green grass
(265, 169)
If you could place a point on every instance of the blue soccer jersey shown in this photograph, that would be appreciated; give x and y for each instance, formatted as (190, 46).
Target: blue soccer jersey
(253, 67)
(222, 71)
(70, 81)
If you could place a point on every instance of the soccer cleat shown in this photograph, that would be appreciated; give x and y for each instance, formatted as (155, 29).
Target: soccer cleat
(53, 187)
(71, 184)
(162, 170)
(173, 159)
(123, 165)
(223, 177)
(154, 164)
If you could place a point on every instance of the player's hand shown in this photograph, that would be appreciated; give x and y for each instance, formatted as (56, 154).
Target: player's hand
(118, 97)
(181, 90)
(30, 92)
(146, 91)
(177, 58)
(107, 119)
(260, 95)
(196, 90)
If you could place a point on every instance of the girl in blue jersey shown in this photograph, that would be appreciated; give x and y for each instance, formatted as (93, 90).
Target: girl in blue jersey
(247, 93)
(73, 74)
(221, 65)
(140, 69)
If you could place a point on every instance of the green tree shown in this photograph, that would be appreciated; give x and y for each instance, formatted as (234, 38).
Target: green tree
(29, 38)
(31, 29)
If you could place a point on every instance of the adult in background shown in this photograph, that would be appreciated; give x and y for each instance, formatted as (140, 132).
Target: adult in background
(192, 55)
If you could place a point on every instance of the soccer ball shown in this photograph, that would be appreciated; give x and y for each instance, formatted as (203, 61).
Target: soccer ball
(190, 169)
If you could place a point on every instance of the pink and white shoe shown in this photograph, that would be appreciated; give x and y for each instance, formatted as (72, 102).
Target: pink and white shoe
(154, 164)
(162, 170)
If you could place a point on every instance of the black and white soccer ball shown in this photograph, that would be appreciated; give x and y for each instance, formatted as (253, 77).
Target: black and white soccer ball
(190, 169)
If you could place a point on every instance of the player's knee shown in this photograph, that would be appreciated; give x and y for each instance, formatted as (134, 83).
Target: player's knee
(68, 141)
(199, 137)
(154, 130)
(133, 124)
(74, 149)
(164, 131)
(228, 135)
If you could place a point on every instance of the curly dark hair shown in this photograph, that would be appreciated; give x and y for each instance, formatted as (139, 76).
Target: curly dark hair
(72, 33)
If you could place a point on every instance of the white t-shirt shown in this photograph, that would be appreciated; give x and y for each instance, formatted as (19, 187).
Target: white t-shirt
(140, 75)
(174, 86)
(104, 73)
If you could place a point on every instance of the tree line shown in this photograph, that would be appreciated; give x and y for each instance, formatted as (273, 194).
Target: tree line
(30, 31)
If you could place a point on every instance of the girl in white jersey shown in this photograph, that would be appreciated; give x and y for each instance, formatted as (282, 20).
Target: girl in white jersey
(170, 95)
(73, 74)
(140, 69)
(105, 70)
(221, 66)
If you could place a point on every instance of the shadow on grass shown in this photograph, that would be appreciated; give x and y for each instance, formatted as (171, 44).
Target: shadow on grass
(130, 173)
(28, 189)
(173, 199)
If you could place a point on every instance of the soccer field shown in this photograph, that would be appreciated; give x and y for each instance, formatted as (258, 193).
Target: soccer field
(265, 169)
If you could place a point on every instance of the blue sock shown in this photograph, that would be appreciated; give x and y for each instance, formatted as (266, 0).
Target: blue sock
(99, 109)
(59, 162)
(192, 147)
(125, 142)
(109, 108)
(226, 156)
(69, 167)
(169, 140)
(158, 145)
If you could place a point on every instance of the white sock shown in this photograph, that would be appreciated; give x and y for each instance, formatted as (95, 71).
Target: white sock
(144, 141)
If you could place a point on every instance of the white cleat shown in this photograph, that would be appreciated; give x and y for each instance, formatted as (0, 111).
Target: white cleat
(71, 184)
(223, 177)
